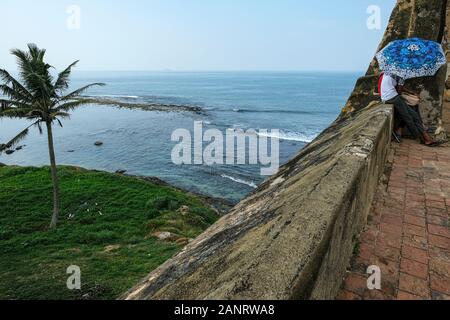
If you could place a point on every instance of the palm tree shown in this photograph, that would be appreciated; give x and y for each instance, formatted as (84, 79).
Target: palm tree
(39, 98)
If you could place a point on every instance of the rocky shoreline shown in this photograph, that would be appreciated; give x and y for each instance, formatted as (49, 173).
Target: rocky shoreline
(144, 106)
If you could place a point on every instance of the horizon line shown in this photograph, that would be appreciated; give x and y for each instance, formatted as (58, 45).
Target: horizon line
(212, 70)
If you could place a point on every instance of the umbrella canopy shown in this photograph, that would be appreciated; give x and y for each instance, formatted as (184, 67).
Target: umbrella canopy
(412, 58)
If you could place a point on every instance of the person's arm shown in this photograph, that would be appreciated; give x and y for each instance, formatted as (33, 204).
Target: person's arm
(402, 89)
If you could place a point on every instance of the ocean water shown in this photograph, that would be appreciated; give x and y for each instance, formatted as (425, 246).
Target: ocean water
(300, 105)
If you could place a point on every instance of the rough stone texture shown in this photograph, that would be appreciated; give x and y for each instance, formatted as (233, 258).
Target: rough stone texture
(446, 104)
(410, 18)
(294, 236)
(408, 233)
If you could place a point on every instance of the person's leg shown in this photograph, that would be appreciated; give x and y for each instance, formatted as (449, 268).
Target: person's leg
(398, 126)
(402, 109)
(398, 121)
(416, 118)
(417, 110)
(415, 114)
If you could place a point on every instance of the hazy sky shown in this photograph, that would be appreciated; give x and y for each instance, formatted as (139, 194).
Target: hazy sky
(196, 34)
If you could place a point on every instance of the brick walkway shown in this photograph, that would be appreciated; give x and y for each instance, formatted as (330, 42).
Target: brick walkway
(408, 233)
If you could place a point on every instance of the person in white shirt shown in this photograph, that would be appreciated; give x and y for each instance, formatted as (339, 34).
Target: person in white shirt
(389, 86)
(391, 89)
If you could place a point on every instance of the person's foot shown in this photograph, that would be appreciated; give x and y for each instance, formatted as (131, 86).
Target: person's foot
(433, 143)
(428, 140)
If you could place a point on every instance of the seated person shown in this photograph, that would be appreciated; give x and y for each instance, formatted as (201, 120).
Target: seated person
(391, 89)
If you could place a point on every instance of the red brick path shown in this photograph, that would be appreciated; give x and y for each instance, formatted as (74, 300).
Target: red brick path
(408, 234)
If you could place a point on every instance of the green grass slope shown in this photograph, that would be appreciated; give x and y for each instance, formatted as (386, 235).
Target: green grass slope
(107, 228)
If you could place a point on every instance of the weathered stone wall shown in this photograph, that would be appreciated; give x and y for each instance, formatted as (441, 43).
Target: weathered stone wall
(446, 104)
(293, 237)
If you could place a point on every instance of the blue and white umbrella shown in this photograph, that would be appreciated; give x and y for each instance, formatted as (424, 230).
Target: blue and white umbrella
(412, 58)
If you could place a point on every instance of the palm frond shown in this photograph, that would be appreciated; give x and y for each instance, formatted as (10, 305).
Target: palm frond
(15, 113)
(72, 105)
(59, 122)
(23, 62)
(80, 91)
(35, 52)
(17, 104)
(41, 84)
(16, 139)
(34, 72)
(42, 68)
(12, 93)
(38, 124)
(62, 82)
(37, 113)
(16, 85)
(60, 114)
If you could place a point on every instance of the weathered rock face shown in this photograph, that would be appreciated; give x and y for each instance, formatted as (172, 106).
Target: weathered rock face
(411, 18)
(446, 103)
(294, 236)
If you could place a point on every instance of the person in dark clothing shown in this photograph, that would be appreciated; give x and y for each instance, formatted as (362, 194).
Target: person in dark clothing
(391, 89)
(409, 118)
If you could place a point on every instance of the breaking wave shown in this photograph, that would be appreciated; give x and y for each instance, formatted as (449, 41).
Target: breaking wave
(241, 181)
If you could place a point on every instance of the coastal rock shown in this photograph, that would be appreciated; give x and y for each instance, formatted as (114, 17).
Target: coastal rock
(121, 171)
(10, 151)
(183, 241)
(145, 106)
(165, 236)
(184, 210)
(112, 248)
(171, 237)
(70, 151)
(19, 148)
(98, 143)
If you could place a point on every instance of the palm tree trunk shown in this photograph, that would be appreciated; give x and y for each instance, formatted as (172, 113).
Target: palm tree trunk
(56, 200)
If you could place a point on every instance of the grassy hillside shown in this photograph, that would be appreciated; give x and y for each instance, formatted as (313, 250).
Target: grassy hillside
(107, 228)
